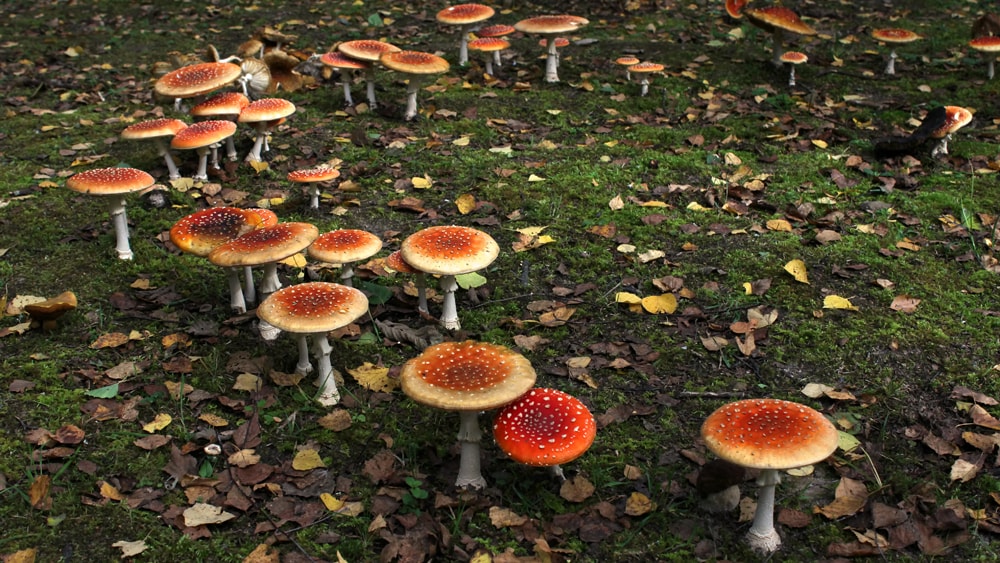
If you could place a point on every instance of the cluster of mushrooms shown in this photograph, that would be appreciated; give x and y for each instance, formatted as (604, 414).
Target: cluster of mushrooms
(532, 425)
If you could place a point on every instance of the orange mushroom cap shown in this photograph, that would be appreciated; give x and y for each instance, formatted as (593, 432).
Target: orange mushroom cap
(987, 44)
(265, 245)
(488, 44)
(895, 35)
(955, 117)
(321, 173)
(498, 30)
(414, 62)
(343, 246)
(395, 262)
(465, 14)
(337, 59)
(793, 57)
(449, 250)
(545, 427)
(203, 134)
(313, 307)
(203, 231)
(153, 128)
(227, 103)
(366, 49)
(266, 109)
(110, 181)
(551, 24)
(773, 18)
(197, 79)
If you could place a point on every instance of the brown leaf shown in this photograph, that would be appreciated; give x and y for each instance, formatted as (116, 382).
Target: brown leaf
(69, 434)
(38, 492)
(110, 340)
(152, 442)
(505, 518)
(960, 392)
(577, 489)
(557, 317)
(982, 418)
(381, 467)
(850, 497)
(337, 420)
(904, 303)
(638, 504)
(529, 343)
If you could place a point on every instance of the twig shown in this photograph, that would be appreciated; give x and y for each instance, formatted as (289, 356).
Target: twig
(712, 394)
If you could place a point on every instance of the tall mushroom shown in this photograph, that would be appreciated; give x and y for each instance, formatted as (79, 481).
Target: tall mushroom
(313, 309)
(345, 65)
(345, 247)
(545, 427)
(449, 251)
(202, 137)
(264, 114)
(227, 106)
(313, 176)
(467, 377)
(989, 45)
(115, 183)
(768, 434)
(196, 80)
(793, 59)
(415, 65)
(465, 16)
(776, 20)
(551, 26)
(370, 51)
(157, 130)
(894, 37)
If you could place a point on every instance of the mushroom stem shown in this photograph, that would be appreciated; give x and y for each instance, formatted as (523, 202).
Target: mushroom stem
(890, 67)
(304, 367)
(370, 86)
(552, 62)
(489, 66)
(314, 197)
(791, 76)
(762, 535)
(421, 284)
(236, 301)
(778, 48)
(230, 150)
(989, 69)
(270, 282)
(328, 393)
(463, 46)
(250, 290)
(169, 160)
(268, 331)
(412, 87)
(202, 173)
(346, 274)
(557, 471)
(469, 471)
(345, 78)
(496, 60)
(645, 86)
(260, 137)
(941, 147)
(120, 222)
(449, 311)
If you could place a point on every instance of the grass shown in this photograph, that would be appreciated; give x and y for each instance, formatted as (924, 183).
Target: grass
(69, 91)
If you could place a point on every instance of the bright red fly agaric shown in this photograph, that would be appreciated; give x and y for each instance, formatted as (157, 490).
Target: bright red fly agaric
(545, 427)
(467, 377)
(768, 434)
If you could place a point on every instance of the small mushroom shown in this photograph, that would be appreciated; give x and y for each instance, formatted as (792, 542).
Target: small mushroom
(203, 137)
(345, 247)
(776, 20)
(989, 45)
(414, 65)
(345, 65)
(545, 427)
(768, 434)
(115, 183)
(157, 130)
(228, 106)
(489, 45)
(45, 313)
(894, 37)
(644, 69)
(449, 251)
(467, 377)
(551, 26)
(313, 177)
(627, 61)
(465, 16)
(313, 309)
(497, 30)
(370, 51)
(793, 59)
(264, 115)
(955, 117)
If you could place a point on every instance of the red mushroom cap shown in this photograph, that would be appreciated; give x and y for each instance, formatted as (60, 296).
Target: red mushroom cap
(545, 427)
(793, 57)
(449, 250)
(265, 245)
(203, 231)
(769, 434)
(771, 18)
(560, 42)
(627, 60)
(414, 62)
(551, 24)
(467, 376)
(227, 103)
(343, 246)
(487, 44)
(465, 14)
(153, 128)
(203, 134)
(955, 117)
(195, 80)
(337, 59)
(321, 173)
(987, 44)
(313, 307)
(395, 262)
(498, 30)
(110, 181)
(266, 109)
(895, 35)
(735, 8)
(366, 49)
(646, 67)
(267, 217)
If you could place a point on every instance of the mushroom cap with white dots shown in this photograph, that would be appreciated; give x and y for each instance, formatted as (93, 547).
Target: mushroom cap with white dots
(545, 427)
(449, 250)
(313, 307)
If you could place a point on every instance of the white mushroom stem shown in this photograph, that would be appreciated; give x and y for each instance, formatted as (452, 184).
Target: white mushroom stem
(260, 137)
(230, 149)
(762, 536)
(120, 223)
(463, 46)
(989, 68)
(370, 86)
(270, 282)
(421, 284)
(345, 78)
(328, 393)
(941, 147)
(236, 301)
(412, 87)
(628, 75)
(791, 76)
(890, 67)
(778, 49)
(496, 60)
(202, 173)
(346, 275)
(469, 470)
(449, 311)
(489, 65)
(161, 147)
(557, 471)
(552, 61)
(314, 197)
(249, 290)
(268, 331)
(304, 367)
(645, 86)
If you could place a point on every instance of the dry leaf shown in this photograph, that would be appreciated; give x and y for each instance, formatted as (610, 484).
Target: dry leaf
(838, 302)
(244, 458)
(638, 504)
(331, 502)
(130, 548)
(263, 554)
(505, 518)
(779, 225)
(714, 343)
(616, 203)
(248, 382)
(201, 514)
(577, 489)
(660, 304)
(963, 471)
(797, 268)
(850, 497)
(110, 340)
(338, 420)
(375, 378)
(904, 303)
(159, 422)
(465, 203)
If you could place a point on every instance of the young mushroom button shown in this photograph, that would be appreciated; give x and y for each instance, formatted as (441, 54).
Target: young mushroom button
(768, 434)
(467, 377)
(115, 183)
(449, 251)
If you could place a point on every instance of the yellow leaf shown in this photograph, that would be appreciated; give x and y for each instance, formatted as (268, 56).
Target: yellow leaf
(626, 297)
(798, 270)
(159, 422)
(554, 111)
(779, 225)
(657, 304)
(638, 504)
(109, 492)
(465, 203)
(547, 145)
(331, 502)
(531, 231)
(838, 302)
(422, 183)
(611, 143)
(461, 142)
(247, 382)
(259, 165)
(819, 143)
(695, 206)
(748, 288)
(244, 458)
(297, 260)
(307, 459)
(213, 419)
(535, 178)
(374, 378)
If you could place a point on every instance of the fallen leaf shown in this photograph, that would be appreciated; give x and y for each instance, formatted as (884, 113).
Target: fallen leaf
(577, 489)
(505, 518)
(201, 514)
(797, 268)
(660, 304)
(159, 422)
(465, 203)
(306, 460)
(963, 471)
(838, 302)
(904, 303)
(638, 504)
(850, 496)
(338, 420)
(374, 378)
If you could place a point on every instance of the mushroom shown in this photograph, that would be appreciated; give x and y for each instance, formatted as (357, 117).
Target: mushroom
(489, 45)
(202, 137)
(345, 246)
(560, 42)
(45, 313)
(627, 61)
(551, 25)
(449, 251)
(367, 50)
(201, 232)
(466, 16)
(498, 30)
(281, 66)
(990, 45)
(414, 65)
(768, 434)
(545, 427)
(196, 80)
(395, 262)
(314, 309)
(313, 176)
(955, 117)
(467, 377)
(255, 77)
(793, 58)
(776, 20)
(345, 65)
(644, 69)
(157, 130)
(226, 106)
(264, 114)
(115, 183)
(894, 37)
